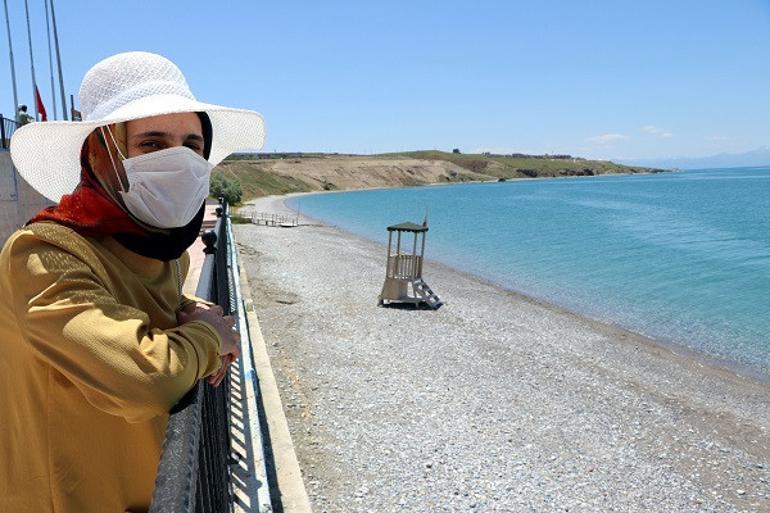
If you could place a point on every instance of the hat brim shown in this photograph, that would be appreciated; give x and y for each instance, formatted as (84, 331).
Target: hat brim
(47, 155)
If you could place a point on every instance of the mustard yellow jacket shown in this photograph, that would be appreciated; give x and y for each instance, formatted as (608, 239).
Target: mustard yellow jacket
(91, 361)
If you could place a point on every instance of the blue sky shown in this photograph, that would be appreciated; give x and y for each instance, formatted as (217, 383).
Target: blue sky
(603, 79)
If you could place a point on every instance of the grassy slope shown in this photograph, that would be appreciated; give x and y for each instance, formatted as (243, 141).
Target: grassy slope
(257, 179)
(503, 166)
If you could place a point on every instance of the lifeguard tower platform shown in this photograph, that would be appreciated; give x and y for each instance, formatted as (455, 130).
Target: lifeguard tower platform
(403, 275)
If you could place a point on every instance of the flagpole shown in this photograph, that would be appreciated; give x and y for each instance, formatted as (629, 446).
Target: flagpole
(50, 57)
(31, 60)
(13, 67)
(58, 61)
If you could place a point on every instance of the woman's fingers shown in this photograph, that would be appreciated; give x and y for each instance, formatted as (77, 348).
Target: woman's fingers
(217, 378)
(192, 307)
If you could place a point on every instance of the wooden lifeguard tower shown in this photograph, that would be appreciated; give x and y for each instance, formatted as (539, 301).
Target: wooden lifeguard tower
(403, 275)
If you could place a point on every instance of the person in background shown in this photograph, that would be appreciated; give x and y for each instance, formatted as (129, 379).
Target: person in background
(98, 341)
(22, 118)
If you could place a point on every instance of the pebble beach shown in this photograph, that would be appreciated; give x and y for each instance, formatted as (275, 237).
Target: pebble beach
(496, 402)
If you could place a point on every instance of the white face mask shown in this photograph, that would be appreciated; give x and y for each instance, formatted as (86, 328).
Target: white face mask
(166, 188)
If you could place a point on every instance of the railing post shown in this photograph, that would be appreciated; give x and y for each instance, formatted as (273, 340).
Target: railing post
(209, 239)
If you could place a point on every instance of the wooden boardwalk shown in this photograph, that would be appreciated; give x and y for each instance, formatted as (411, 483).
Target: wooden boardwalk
(272, 219)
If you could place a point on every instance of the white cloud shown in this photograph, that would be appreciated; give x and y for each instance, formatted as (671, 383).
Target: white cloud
(651, 129)
(606, 138)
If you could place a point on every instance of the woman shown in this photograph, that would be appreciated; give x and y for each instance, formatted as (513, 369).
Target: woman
(97, 340)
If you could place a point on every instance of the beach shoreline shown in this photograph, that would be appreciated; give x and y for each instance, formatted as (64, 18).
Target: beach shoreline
(277, 204)
(495, 402)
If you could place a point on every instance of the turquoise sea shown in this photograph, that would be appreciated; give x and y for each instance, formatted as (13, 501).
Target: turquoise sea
(682, 257)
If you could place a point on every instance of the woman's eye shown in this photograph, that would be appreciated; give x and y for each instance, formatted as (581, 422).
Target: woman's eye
(194, 147)
(151, 145)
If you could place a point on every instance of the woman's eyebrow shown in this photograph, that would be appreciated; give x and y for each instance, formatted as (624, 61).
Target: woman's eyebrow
(151, 133)
(158, 133)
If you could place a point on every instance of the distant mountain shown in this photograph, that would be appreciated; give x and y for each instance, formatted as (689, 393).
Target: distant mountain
(758, 157)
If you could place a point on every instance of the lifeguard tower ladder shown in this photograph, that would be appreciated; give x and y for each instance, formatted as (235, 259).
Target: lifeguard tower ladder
(403, 276)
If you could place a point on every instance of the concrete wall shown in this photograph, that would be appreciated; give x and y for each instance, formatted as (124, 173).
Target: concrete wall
(18, 201)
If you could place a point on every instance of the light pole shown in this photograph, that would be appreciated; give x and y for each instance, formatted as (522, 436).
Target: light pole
(13, 66)
(58, 61)
(31, 60)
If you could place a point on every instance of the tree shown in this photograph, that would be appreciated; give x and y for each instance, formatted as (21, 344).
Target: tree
(230, 188)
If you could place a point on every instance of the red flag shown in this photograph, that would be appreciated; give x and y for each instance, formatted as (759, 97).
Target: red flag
(40, 106)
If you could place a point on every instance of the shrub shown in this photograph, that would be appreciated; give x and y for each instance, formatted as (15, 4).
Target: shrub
(230, 188)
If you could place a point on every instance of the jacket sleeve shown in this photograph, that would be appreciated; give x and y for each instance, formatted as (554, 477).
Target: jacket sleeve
(105, 348)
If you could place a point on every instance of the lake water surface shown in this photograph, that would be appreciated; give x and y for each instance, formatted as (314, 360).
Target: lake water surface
(682, 257)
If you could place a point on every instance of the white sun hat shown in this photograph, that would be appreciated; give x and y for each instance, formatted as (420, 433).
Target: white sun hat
(123, 87)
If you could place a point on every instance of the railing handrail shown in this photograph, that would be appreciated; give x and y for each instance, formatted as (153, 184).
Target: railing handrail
(183, 483)
(177, 477)
(404, 266)
(7, 127)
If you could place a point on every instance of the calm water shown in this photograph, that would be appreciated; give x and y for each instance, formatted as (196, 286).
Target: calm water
(683, 257)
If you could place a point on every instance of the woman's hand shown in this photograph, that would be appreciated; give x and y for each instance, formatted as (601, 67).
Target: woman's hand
(216, 378)
(225, 326)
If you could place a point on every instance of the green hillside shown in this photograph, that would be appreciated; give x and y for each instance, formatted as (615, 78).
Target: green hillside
(282, 173)
(526, 166)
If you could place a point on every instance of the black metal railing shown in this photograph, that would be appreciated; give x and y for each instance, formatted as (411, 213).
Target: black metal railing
(194, 475)
(7, 128)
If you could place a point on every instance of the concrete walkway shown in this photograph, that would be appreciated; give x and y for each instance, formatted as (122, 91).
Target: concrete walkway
(197, 256)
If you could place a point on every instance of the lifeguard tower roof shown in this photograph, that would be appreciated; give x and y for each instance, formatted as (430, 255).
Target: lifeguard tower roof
(408, 227)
